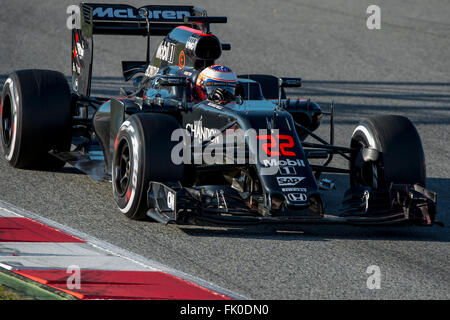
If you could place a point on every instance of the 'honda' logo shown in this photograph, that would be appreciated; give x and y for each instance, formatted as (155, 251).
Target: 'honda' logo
(297, 197)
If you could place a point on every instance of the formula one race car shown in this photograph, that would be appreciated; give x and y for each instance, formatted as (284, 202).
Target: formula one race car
(193, 141)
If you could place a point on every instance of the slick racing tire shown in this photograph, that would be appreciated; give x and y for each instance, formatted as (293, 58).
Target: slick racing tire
(142, 153)
(400, 154)
(268, 83)
(35, 118)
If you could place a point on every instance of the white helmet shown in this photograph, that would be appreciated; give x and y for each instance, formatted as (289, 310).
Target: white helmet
(215, 76)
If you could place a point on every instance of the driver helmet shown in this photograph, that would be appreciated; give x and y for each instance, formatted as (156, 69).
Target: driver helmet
(216, 76)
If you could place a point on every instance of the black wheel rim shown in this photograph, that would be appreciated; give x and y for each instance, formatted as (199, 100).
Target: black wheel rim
(367, 175)
(7, 122)
(123, 168)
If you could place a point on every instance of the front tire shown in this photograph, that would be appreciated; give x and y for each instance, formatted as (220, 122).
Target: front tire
(142, 153)
(401, 158)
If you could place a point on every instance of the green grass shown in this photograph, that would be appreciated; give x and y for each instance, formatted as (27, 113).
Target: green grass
(17, 287)
(8, 294)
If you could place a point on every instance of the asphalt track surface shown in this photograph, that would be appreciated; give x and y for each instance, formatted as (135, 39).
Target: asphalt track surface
(401, 69)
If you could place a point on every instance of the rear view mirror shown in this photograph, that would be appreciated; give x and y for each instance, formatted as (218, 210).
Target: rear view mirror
(290, 82)
(287, 83)
(169, 81)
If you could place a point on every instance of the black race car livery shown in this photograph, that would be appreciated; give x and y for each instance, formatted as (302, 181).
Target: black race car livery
(178, 158)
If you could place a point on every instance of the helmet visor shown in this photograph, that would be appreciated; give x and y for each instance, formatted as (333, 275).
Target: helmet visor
(229, 86)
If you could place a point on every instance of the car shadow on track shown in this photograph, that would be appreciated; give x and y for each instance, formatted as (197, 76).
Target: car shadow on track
(323, 232)
(101, 86)
(423, 102)
(67, 169)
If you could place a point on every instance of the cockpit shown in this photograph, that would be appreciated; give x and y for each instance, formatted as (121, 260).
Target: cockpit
(245, 88)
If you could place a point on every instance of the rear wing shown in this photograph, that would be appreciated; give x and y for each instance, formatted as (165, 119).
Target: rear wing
(121, 19)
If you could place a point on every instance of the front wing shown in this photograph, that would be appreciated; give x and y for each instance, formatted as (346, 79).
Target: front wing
(399, 204)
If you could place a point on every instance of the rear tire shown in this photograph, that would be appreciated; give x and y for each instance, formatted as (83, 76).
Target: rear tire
(401, 158)
(35, 118)
(142, 153)
(269, 85)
